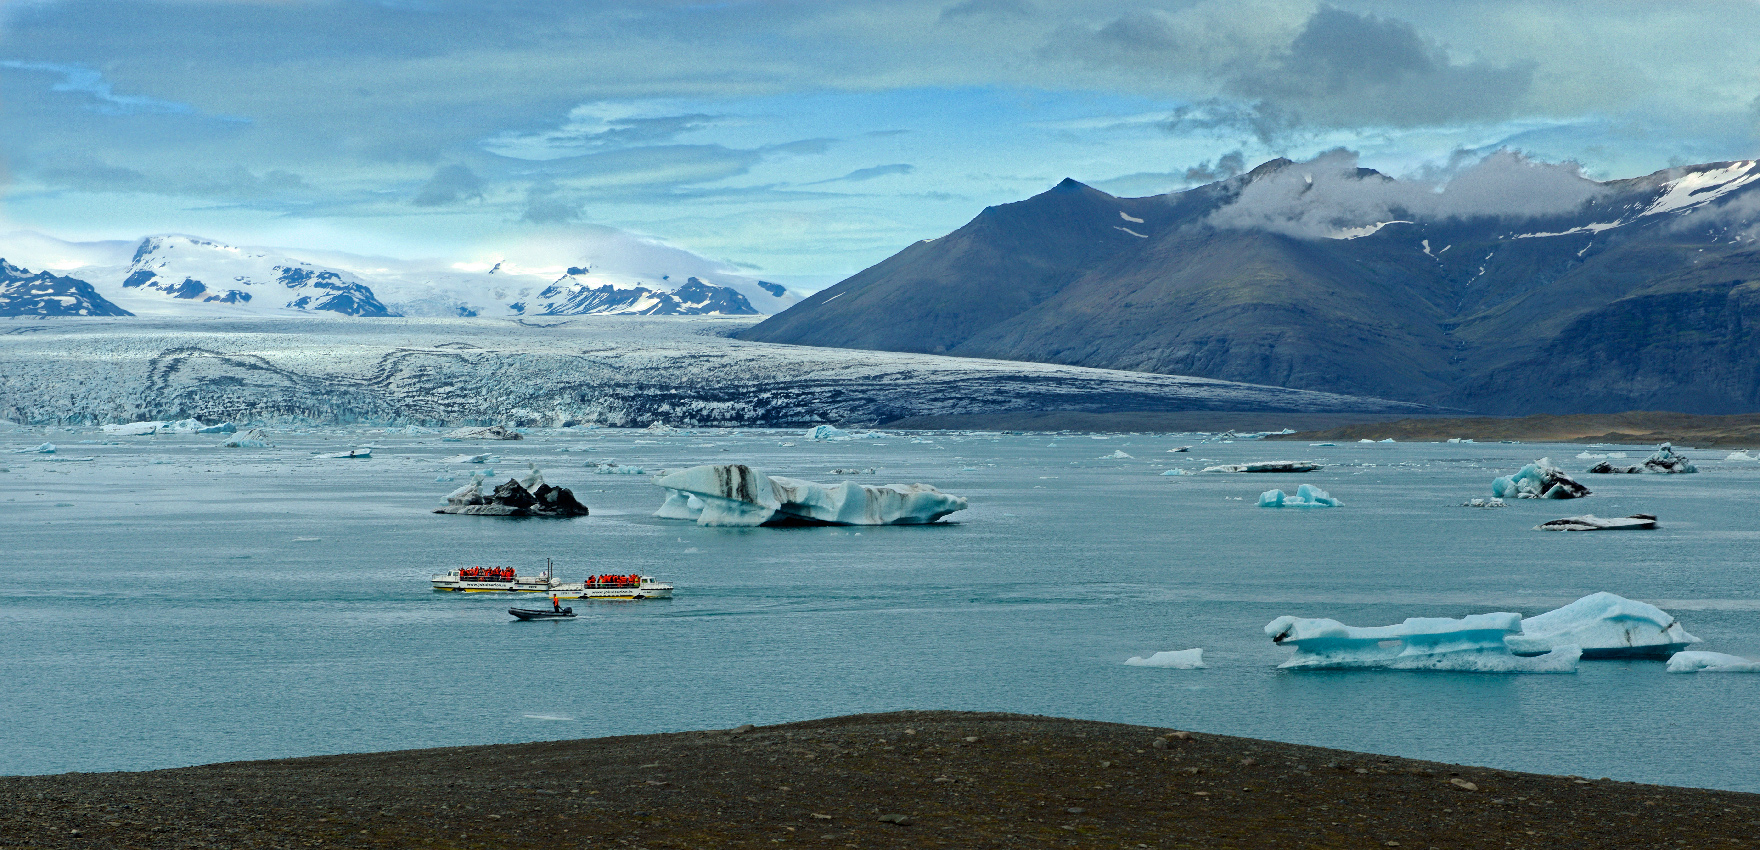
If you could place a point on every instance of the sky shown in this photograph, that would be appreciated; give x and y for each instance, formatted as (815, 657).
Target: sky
(802, 140)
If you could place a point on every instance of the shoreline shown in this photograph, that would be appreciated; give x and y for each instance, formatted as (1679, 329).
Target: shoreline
(1638, 427)
(902, 779)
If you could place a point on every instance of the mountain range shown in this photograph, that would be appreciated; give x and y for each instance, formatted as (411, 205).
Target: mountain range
(1511, 287)
(176, 275)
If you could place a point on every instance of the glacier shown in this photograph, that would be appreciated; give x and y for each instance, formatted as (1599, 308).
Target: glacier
(1711, 662)
(1603, 625)
(737, 495)
(1471, 644)
(585, 371)
(1538, 480)
(1306, 496)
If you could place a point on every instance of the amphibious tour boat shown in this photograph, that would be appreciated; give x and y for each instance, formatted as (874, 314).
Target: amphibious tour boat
(508, 580)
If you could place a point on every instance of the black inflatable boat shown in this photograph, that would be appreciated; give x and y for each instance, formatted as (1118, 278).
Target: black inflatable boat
(541, 613)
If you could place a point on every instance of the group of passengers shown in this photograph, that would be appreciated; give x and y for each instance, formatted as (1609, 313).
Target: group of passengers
(486, 573)
(614, 581)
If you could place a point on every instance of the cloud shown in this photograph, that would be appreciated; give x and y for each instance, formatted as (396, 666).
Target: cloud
(546, 203)
(987, 8)
(449, 185)
(1345, 68)
(1329, 194)
(861, 174)
(101, 96)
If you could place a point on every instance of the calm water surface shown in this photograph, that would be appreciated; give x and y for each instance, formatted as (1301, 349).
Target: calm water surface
(172, 603)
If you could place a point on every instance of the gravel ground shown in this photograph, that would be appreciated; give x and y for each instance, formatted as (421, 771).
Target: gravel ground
(907, 779)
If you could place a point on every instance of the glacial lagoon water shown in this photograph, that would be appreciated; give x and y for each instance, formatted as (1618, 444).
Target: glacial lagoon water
(171, 602)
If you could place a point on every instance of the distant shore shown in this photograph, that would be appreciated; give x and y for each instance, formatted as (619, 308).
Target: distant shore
(904, 780)
(1635, 427)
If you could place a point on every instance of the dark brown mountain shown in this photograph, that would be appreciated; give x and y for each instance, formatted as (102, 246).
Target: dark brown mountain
(1521, 288)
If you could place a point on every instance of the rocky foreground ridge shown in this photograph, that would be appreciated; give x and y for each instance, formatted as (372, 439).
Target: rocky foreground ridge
(1514, 288)
(905, 780)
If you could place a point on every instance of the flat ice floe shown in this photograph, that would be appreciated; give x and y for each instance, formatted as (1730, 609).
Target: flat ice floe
(1603, 625)
(1472, 644)
(1591, 522)
(1711, 662)
(737, 495)
(1306, 496)
(1265, 466)
(1538, 480)
(1178, 659)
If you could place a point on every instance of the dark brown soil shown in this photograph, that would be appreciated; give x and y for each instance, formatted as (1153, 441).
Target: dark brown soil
(1636, 427)
(908, 780)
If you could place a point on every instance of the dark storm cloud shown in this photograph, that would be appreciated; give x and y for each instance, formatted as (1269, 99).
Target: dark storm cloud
(1345, 68)
(449, 185)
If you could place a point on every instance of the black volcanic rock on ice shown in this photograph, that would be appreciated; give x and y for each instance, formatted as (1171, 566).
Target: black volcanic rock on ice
(1521, 288)
(43, 294)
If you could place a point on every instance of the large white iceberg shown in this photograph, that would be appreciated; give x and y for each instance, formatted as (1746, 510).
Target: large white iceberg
(1473, 644)
(1179, 659)
(737, 495)
(1306, 496)
(1711, 662)
(1538, 480)
(1603, 626)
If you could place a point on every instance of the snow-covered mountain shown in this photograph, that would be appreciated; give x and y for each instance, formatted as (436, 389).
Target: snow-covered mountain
(178, 275)
(43, 294)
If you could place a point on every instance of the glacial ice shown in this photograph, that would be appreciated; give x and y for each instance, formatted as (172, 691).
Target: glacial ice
(826, 433)
(737, 495)
(1176, 472)
(362, 453)
(1265, 466)
(1711, 662)
(482, 458)
(1483, 503)
(133, 429)
(527, 496)
(1472, 644)
(493, 432)
(1664, 461)
(1306, 496)
(252, 439)
(1740, 456)
(1591, 522)
(44, 449)
(1117, 454)
(1538, 480)
(1603, 625)
(1179, 659)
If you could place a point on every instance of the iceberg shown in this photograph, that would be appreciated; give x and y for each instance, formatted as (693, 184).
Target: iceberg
(1472, 644)
(1306, 496)
(1265, 466)
(1739, 456)
(1538, 480)
(1483, 503)
(482, 458)
(1591, 522)
(1663, 461)
(1117, 454)
(526, 496)
(737, 495)
(493, 432)
(352, 454)
(44, 449)
(134, 429)
(1176, 472)
(826, 433)
(1711, 662)
(252, 439)
(1179, 659)
(1603, 625)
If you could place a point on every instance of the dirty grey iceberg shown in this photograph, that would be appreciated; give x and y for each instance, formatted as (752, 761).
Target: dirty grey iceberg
(1538, 480)
(737, 495)
(1472, 644)
(517, 497)
(1663, 461)
(1603, 625)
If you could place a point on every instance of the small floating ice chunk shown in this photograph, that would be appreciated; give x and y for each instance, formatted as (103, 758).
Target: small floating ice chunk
(1483, 503)
(1591, 522)
(1116, 455)
(360, 453)
(482, 458)
(252, 439)
(1472, 644)
(492, 432)
(1739, 456)
(1179, 659)
(1176, 472)
(1179, 449)
(1711, 662)
(1538, 480)
(826, 433)
(1265, 466)
(44, 449)
(134, 429)
(1603, 626)
(1306, 496)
